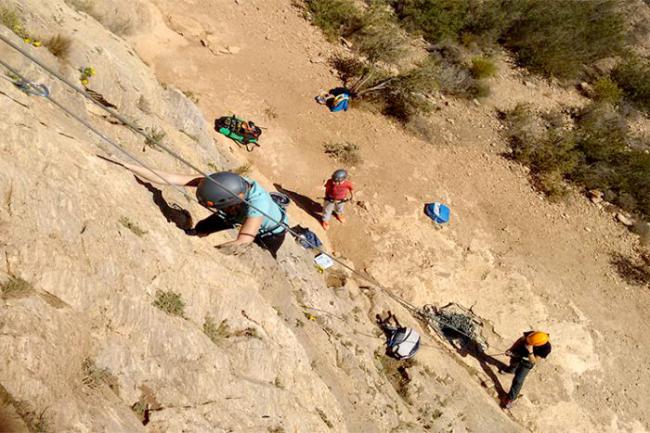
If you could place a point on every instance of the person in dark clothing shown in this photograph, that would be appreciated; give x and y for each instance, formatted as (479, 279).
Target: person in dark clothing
(524, 354)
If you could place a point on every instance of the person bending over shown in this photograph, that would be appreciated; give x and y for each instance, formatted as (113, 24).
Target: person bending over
(236, 201)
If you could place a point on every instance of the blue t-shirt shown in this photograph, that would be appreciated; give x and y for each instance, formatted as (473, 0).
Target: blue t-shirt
(261, 199)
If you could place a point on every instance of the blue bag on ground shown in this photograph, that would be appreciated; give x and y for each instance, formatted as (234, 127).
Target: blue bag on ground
(306, 237)
(438, 212)
(340, 103)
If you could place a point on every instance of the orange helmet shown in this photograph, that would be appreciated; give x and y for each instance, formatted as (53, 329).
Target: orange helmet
(537, 338)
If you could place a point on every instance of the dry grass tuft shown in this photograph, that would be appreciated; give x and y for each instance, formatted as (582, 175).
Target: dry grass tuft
(59, 46)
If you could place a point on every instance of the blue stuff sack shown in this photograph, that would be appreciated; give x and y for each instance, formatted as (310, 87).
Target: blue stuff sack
(438, 212)
(340, 103)
(308, 239)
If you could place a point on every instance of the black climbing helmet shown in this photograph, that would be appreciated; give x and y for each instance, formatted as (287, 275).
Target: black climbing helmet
(211, 195)
(339, 175)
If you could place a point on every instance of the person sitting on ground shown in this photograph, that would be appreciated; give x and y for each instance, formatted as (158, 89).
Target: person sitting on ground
(337, 99)
(402, 342)
(524, 354)
(338, 190)
(237, 201)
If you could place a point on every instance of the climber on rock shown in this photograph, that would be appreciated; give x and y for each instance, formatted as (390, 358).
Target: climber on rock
(524, 355)
(236, 200)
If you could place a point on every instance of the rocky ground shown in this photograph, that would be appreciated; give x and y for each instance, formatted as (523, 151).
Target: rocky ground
(84, 349)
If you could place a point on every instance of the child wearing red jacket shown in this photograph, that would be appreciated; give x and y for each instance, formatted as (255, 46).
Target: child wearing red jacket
(338, 190)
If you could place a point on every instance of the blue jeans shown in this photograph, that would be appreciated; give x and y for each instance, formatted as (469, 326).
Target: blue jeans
(521, 371)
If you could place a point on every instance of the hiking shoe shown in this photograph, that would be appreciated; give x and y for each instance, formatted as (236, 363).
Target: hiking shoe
(341, 218)
(326, 225)
(507, 403)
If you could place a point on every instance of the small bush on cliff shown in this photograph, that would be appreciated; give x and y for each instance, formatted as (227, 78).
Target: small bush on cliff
(15, 287)
(633, 76)
(216, 333)
(606, 90)
(379, 37)
(482, 67)
(59, 46)
(594, 154)
(557, 38)
(155, 136)
(436, 20)
(93, 376)
(347, 153)
(170, 302)
(335, 17)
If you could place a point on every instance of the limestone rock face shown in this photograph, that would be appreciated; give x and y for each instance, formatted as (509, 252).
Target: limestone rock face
(88, 341)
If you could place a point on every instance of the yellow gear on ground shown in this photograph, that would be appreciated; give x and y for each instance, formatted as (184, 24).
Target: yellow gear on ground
(537, 338)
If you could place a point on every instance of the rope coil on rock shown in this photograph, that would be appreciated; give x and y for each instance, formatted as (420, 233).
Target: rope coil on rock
(42, 91)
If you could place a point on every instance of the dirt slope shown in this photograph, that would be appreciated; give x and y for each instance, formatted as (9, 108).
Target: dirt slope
(521, 261)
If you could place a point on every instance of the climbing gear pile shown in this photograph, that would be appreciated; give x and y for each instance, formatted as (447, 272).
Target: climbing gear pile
(246, 133)
(454, 318)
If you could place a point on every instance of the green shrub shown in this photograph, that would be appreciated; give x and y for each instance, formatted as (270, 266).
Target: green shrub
(609, 164)
(487, 21)
(216, 333)
(633, 76)
(59, 46)
(335, 17)
(380, 37)
(347, 153)
(348, 67)
(170, 302)
(482, 67)
(557, 38)
(606, 90)
(595, 154)
(437, 20)
(405, 94)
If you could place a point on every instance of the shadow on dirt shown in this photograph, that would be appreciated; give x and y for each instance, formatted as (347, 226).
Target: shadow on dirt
(313, 208)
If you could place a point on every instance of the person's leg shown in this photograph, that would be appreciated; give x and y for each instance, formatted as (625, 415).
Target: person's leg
(522, 370)
(328, 208)
(271, 243)
(212, 224)
(338, 211)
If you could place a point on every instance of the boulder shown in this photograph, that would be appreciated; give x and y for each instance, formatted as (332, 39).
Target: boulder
(625, 219)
